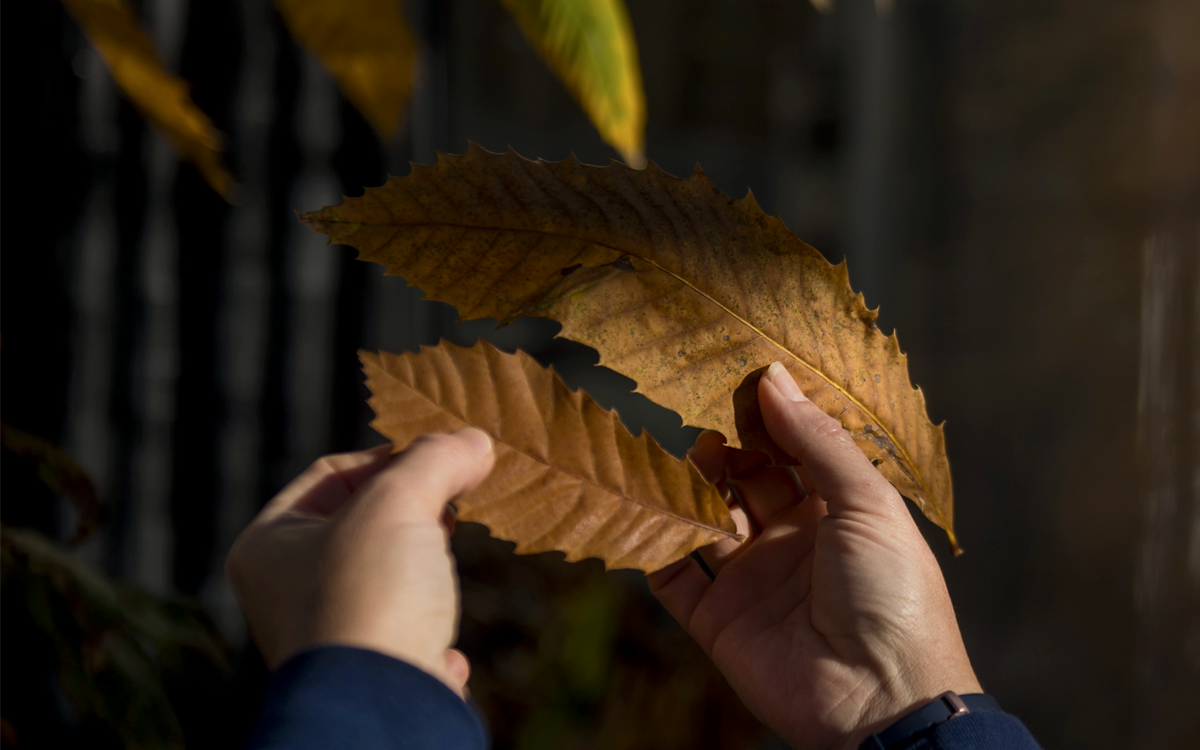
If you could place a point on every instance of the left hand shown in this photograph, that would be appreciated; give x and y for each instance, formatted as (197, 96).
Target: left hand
(832, 620)
(355, 551)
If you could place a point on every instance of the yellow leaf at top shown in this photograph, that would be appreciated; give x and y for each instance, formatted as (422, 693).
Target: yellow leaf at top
(368, 48)
(162, 98)
(589, 44)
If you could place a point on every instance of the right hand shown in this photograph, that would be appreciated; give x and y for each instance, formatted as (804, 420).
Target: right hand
(832, 620)
(356, 552)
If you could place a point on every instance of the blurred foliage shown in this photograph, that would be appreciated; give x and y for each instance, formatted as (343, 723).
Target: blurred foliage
(119, 654)
(129, 663)
(572, 658)
(60, 473)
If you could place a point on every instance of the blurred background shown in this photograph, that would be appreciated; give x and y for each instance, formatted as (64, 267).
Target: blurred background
(1015, 182)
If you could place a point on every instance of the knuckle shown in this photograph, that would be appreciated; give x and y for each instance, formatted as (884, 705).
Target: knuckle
(825, 426)
(850, 489)
(323, 465)
(332, 463)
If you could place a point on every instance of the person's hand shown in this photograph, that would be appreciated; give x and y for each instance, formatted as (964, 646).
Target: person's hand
(832, 620)
(355, 551)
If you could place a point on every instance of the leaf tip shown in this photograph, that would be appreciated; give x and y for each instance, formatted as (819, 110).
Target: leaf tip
(954, 548)
(316, 220)
(229, 189)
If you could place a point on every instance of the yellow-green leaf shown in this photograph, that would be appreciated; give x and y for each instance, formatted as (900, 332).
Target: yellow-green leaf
(368, 48)
(680, 287)
(568, 475)
(162, 98)
(589, 44)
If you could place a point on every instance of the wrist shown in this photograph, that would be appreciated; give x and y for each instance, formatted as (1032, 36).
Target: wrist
(894, 706)
(925, 718)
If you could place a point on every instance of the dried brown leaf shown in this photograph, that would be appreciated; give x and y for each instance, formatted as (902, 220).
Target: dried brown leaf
(568, 475)
(680, 287)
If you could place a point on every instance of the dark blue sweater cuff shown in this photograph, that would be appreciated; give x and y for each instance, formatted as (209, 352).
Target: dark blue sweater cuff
(978, 730)
(337, 696)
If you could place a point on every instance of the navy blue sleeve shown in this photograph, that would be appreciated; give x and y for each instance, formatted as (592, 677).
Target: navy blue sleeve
(337, 696)
(978, 730)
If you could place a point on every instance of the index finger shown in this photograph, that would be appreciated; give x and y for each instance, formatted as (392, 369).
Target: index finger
(838, 469)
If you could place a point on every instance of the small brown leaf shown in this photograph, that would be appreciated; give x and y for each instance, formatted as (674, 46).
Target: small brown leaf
(680, 287)
(568, 475)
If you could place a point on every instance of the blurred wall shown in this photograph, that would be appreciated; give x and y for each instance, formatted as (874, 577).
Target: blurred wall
(1015, 183)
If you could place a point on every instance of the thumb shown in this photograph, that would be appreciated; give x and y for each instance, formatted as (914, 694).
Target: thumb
(420, 481)
(837, 467)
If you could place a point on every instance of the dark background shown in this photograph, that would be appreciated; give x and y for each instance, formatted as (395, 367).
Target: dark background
(1014, 182)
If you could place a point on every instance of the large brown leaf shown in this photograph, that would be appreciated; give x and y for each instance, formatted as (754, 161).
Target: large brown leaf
(680, 287)
(568, 475)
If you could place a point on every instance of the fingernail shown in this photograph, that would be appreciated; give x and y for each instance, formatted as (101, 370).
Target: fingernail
(478, 439)
(782, 379)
